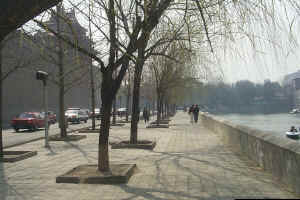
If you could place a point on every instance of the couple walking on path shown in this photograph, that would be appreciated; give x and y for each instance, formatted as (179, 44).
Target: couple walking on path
(194, 113)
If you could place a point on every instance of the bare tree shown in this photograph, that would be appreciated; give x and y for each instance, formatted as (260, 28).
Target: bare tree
(61, 75)
(170, 74)
(15, 58)
(92, 85)
(13, 16)
(164, 35)
(134, 35)
(128, 84)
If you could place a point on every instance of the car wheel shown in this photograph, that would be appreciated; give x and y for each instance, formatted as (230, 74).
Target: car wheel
(16, 129)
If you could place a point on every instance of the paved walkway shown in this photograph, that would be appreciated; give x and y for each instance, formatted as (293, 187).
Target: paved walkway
(189, 162)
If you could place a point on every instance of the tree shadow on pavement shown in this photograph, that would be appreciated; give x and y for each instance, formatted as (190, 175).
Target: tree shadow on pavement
(149, 193)
(211, 174)
(209, 178)
(6, 190)
(208, 171)
(84, 153)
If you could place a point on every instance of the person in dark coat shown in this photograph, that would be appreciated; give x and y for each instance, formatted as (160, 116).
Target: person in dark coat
(146, 115)
(196, 113)
(191, 110)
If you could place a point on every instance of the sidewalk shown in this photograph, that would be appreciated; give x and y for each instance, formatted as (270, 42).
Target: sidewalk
(189, 162)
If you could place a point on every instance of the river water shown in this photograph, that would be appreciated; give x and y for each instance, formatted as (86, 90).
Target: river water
(277, 123)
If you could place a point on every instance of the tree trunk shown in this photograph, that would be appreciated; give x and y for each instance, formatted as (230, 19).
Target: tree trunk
(174, 109)
(62, 120)
(1, 82)
(158, 110)
(166, 110)
(153, 107)
(114, 111)
(107, 96)
(109, 90)
(128, 98)
(135, 103)
(103, 154)
(162, 109)
(92, 96)
(92, 74)
(127, 106)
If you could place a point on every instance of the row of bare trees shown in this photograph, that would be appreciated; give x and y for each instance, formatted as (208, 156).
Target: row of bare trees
(132, 46)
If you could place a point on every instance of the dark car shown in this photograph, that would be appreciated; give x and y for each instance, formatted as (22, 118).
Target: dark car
(28, 120)
(51, 117)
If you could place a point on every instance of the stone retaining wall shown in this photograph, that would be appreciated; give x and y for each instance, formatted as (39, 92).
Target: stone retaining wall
(276, 154)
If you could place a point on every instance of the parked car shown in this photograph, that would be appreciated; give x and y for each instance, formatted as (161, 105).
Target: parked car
(51, 117)
(28, 120)
(76, 115)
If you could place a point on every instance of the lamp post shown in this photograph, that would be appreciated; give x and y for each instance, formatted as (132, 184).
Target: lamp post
(43, 76)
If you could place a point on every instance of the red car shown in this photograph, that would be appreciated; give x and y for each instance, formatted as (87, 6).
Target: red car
(28, 120)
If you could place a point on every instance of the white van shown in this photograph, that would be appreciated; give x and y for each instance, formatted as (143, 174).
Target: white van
(76, 115)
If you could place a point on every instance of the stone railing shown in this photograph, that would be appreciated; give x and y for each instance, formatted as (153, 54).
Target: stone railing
(275, 154)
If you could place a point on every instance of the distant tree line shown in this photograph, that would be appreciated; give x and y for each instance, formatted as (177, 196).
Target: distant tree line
(242, 97)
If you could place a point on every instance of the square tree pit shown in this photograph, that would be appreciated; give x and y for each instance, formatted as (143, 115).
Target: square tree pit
(89, 174)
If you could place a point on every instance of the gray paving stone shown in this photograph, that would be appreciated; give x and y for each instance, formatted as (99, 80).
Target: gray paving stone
(188, 162)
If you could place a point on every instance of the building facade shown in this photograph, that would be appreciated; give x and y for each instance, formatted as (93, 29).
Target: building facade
(24, 55)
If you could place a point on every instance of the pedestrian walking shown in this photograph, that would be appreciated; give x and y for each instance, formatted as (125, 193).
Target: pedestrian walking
(191, 113)
(138, 119)
(146, 115)
(196, 113)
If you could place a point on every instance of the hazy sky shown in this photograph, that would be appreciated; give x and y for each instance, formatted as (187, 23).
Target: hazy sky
(268, 64)
(269, 61)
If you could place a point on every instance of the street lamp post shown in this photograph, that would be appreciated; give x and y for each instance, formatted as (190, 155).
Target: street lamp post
(43, 76)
